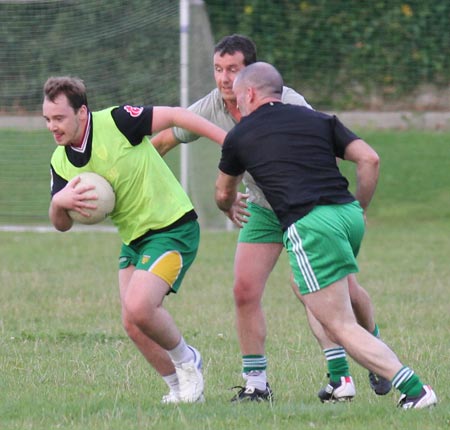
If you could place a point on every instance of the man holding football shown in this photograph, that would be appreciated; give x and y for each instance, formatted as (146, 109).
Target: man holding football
(155, 218)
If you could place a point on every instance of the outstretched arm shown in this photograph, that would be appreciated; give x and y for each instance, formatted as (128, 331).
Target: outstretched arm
(166, 117)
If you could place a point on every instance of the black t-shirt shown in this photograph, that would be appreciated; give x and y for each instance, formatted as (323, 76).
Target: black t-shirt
(291, 153)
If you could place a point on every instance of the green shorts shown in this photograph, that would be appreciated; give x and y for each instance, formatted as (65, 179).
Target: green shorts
(262, 226)
(323, 245)
(167, 254)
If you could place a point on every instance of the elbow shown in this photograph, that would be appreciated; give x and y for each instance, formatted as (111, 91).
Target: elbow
(60, 222)
(371, 159)
(61, 226)
(375, 158)
(374, 161)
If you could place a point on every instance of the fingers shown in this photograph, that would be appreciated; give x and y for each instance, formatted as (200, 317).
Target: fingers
(238, 213)
(81, 188)
(77, 197)
(239, 218)
(242, 212)
(241, 198)
(240, 203)
(237, 222)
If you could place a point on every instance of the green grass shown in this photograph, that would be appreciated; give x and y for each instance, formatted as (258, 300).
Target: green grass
(414, 183)
(65, 361)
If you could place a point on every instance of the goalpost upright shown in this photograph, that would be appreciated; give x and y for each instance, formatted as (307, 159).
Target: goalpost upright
(184, 84)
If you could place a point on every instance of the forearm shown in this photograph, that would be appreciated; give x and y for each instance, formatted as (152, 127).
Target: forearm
(225, 199)
(367, 170)
(196, 124)
(207, 129)
(226, 191)
(165, 141)
(59, 217)
(367, 178)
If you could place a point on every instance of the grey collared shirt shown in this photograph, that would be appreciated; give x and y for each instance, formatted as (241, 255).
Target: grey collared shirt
(212, 107)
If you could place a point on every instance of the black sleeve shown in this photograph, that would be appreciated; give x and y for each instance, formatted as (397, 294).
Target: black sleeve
(229, 161)
(342, 137)
(134, 122)
(57, 182)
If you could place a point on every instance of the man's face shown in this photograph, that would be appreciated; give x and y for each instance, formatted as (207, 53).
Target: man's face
(66, 126)
(225, 69)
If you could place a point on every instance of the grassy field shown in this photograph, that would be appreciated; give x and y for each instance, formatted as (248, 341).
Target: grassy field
(65, 361)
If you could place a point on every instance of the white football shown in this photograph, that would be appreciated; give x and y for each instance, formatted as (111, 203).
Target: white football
(105, 201)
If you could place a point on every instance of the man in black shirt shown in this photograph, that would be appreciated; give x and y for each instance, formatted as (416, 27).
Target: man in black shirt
(291, 153)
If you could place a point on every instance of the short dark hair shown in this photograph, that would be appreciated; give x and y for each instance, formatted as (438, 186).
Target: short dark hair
(73, 88)
(237, 43)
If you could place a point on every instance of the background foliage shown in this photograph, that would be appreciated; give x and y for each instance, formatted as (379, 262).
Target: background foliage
(125, 50)
(344, 54)
(348, 53)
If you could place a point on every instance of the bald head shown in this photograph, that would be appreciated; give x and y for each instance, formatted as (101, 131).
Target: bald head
(257, 84)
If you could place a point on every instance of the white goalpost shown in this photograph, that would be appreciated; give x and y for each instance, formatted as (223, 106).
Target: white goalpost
(184, 84)
(198, 162)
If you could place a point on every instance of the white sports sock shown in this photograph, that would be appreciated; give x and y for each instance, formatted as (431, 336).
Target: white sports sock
(172, 382)
(181, 353)
(256, 378)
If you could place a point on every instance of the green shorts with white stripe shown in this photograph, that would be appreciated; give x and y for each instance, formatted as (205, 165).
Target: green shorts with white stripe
(323, 245)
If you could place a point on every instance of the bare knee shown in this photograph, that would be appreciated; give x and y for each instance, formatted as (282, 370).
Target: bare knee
(135, 316)
(131, 329)
(247, 292)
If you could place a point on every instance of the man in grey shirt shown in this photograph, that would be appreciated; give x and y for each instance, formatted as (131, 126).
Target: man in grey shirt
(260, 243)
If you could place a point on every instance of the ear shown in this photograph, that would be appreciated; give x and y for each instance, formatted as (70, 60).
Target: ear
(251, 94)
(83, 112)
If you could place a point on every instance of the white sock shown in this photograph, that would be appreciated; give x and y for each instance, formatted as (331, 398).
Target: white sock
(181, 353)
(172, 382)
(256, 378)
